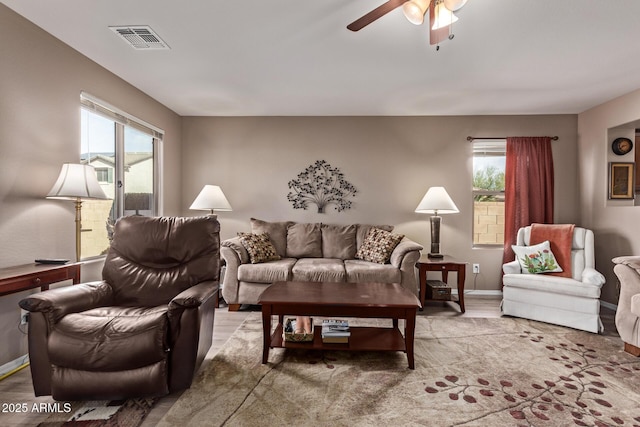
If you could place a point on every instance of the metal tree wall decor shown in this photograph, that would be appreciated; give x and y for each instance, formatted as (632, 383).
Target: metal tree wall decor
(323, 185)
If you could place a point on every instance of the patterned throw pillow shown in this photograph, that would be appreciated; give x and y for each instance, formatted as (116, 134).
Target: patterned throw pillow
(378, 246)
(259, 247)
(537, 258)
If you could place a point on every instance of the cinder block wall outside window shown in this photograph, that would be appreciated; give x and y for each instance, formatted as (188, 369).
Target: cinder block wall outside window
(488, 227)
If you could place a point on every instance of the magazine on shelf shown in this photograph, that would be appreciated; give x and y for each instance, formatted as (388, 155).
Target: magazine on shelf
(335, 340)
(335, 328)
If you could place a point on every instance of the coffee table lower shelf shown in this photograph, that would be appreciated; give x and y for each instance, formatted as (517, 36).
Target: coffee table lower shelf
(362, 339)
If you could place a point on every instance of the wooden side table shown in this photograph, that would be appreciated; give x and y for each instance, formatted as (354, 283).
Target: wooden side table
(29, 276)
(443, 265)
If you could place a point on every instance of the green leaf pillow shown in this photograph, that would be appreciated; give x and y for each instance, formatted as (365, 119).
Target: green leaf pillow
(537, 258)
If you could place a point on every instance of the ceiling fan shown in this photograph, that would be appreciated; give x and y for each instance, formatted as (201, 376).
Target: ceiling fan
(440, 15)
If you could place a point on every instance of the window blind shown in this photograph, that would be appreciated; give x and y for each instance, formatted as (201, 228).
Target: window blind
(495, 147)
(102, 108)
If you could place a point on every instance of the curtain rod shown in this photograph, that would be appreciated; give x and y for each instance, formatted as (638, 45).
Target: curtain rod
(471, 138)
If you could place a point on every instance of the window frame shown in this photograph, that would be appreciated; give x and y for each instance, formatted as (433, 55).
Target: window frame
(496, 147)
(122, 119)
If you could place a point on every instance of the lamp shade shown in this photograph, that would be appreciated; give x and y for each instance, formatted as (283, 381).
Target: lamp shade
(437, 201)
(77, 181)
(443, 17)
(454, 5)
(414, 10)
(211, 198)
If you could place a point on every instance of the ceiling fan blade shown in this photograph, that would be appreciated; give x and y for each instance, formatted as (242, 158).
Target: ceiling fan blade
(376, 13)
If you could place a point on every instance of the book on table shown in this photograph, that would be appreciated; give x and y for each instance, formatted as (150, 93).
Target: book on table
(335, 331)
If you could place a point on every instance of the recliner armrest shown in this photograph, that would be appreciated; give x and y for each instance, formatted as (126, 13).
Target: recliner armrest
(189, 301)
(56, 303)
(512, 267)
(194, 296)
(191, 315)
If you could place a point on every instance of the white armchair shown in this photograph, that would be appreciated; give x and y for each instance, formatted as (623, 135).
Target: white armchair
(568, 301)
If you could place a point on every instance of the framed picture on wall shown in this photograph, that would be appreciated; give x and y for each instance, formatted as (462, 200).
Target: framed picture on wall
(621, 180)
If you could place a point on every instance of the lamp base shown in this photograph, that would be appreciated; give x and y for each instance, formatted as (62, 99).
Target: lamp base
(435, 237)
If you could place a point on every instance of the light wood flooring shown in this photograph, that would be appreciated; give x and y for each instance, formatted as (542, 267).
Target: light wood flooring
(17, 388)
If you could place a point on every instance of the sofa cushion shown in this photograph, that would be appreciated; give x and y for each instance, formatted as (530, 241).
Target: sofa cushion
(266, 272)
(363, 229)
(359, 271)
(110, 338)
(551, 284)
(304, 241)
(338, 241)
(378, 246)
(319, 270)
(259, 247)
(536, 259)
(277, 232)
(560, 237)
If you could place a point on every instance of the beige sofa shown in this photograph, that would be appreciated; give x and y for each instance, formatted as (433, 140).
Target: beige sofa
(312, 252)
(627, 269)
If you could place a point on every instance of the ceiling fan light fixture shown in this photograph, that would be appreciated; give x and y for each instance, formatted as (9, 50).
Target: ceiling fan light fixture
(443, 16)
(414, 10)
(454, 5)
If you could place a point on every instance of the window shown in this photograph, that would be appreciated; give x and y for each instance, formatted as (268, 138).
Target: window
(105, 175)
(488, 192)
(124, 152)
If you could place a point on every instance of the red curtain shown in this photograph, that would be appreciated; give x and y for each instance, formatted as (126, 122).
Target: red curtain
(528, 187)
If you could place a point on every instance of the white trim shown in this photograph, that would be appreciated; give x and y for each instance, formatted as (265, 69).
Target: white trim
(158, 168)
(13, 364)
(608, 305)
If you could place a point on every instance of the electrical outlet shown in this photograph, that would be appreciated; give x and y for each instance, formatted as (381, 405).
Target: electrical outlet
(476, 268)
(24, 317)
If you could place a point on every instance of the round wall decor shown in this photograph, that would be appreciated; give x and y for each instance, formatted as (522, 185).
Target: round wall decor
(621, 146)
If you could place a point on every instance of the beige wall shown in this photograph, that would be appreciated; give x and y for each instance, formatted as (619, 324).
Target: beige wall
(40, 83)
(392, 161)
(615, 223)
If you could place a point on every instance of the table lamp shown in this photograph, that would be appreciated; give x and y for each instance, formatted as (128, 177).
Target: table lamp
(436, 201)
(211, 198)
(77, 182)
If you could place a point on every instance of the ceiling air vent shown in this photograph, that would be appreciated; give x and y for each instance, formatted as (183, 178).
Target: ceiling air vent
(140, 37)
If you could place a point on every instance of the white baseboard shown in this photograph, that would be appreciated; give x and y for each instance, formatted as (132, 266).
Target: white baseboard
(479, 292)
(16, 363)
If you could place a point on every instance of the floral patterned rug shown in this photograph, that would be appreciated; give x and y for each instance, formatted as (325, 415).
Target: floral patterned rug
(101, 413)
(469, 372)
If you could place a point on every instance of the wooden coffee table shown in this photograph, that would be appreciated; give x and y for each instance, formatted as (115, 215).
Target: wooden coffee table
(366, 300)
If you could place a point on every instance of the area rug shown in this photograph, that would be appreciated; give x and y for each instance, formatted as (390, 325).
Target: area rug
(120, 413)
(469, 372)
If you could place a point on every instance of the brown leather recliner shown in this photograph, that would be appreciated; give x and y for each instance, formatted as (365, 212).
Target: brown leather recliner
(141, 331)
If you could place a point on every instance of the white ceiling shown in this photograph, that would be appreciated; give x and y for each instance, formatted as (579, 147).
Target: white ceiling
(286, 57)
